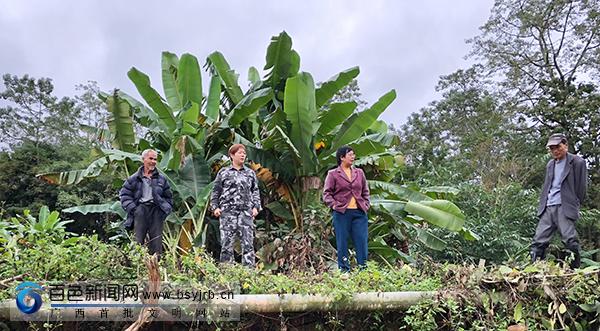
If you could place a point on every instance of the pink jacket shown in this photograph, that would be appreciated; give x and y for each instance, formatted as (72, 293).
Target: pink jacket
(339, 189)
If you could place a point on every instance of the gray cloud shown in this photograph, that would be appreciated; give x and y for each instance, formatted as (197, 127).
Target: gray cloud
(405, 45)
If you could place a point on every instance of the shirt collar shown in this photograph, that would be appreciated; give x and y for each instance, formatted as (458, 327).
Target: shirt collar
(232, 168)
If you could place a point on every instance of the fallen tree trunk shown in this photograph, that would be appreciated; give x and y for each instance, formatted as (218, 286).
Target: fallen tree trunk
(288, 303)
(267, 303)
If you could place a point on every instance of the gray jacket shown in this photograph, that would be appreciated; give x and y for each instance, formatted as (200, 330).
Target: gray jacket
(572, 188)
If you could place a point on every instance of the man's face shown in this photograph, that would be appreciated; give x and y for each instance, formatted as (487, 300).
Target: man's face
(559, 151)
(239, 157)
(150, 161)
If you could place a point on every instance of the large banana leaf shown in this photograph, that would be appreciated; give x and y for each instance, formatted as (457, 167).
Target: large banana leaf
(171, 159)
(120, 123)
(229, 79)
(430, 240)
(200, 202)
(335, 115)
(144, 115)
(111, 207)
(268, 160)
(253, 76)
(394, 207)
(393, 219)
(142, 83)
(214, 98)
(358, 123)
(191, 180)
(374, 143)
(385, 161)
(281, 59)
(299, 107)
(378, 246)
(93, 170)
(441, 213)
(397, 191)
(441, 192)
(386, 139)
(379, 126)
(249, 105)
(275, 118)
(169, 65)
(278, 141)
(370, 149)
(99, 134)
(329, 88)
(189, 119)
(189, 80)
(280, 210)
(367, 147)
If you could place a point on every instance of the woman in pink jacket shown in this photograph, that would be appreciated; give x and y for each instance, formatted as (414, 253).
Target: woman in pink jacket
(346, 192)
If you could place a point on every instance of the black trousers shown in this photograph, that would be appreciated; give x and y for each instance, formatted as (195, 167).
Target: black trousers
(149, 220)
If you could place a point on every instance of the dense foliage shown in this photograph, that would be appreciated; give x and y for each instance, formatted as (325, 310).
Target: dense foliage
(473, 160)
(540, 296)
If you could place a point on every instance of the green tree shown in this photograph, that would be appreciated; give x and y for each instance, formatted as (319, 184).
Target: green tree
(43, 134)
(93, 114)
(469, 135)
(20, 189)
(545, 54)
(529, 43)
(34, 114)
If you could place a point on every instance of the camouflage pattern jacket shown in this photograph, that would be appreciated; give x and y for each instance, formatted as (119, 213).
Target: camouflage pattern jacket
(235, 190)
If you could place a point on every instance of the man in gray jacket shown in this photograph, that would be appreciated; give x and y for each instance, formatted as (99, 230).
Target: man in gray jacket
(564, 189)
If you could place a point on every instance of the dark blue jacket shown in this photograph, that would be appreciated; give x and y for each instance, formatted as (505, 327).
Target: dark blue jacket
(131, 192)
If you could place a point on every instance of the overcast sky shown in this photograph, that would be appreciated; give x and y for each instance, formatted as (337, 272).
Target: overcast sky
(403, 45)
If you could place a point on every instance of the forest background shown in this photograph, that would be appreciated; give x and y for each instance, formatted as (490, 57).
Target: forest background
(480, 146)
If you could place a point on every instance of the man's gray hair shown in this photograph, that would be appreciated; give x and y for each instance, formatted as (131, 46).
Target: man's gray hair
(146, 151)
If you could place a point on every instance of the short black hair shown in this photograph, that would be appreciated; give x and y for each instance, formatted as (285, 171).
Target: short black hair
(341, 152)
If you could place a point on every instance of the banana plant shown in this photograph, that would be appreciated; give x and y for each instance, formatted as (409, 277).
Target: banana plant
(290, 128)
(400, 211)
(176, 126)
(299, 132)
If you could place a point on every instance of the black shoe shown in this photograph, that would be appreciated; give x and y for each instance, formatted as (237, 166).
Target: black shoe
(576, 263)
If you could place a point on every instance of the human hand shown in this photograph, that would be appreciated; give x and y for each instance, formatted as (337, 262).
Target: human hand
(217, 212)
(254, 212)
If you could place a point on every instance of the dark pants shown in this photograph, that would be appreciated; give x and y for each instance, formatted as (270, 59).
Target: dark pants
(551, 220)
(213, 238)
(352, 224)
(149, 219)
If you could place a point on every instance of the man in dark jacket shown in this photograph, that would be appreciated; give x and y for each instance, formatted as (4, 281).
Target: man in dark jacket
(147, 199)
(565, 186)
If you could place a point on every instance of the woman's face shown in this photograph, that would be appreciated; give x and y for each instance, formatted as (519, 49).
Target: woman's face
(239, 157)
(348, 159)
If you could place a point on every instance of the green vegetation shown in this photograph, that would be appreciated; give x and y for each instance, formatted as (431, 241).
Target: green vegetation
(541, 296)
(454, 190)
